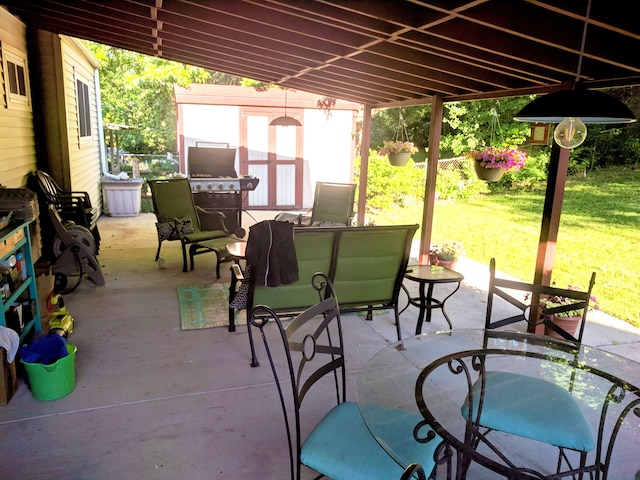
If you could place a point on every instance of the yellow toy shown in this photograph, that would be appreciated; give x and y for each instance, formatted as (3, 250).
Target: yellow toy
(60, 322)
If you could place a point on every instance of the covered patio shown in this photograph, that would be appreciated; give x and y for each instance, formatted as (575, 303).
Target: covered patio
(381, 54)
(152, 401)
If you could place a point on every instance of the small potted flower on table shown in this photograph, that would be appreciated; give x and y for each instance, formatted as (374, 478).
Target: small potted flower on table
(446, 254)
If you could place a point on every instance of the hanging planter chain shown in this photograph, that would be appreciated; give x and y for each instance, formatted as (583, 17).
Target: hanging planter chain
(401, 130)
(493, 126)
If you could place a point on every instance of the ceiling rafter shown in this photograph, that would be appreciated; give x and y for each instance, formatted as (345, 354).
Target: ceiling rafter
(369, 51)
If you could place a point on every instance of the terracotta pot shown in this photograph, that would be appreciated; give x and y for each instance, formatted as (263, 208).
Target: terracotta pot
(399, 159)
(569, 324)
(450, 264)
(488, 174)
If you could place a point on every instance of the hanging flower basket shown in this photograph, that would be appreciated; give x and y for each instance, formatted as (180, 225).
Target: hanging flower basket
(491, 163)
(398, 159)
(488, 174)
(399, 150)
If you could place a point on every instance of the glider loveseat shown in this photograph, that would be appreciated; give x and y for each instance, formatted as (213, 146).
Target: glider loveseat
(365, 264)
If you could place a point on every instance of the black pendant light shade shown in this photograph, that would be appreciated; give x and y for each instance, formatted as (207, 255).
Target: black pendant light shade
(591, 106)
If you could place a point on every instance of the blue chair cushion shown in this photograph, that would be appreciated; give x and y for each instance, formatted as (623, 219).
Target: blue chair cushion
(342, 448)
(532, 408)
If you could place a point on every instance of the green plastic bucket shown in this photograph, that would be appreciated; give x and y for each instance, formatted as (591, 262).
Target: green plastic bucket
(49, 382)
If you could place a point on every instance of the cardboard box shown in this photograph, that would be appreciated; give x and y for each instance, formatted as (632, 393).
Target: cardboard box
(8, 378)
(10, 243)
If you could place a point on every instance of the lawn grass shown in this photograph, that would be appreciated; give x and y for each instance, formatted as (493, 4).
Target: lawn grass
(599, 231)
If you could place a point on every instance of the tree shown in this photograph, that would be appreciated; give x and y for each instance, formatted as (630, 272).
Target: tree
(137, 90)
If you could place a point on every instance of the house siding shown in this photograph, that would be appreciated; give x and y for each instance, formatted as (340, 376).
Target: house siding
(17, 138)
(17, 133)
(74, 163)
(84, 154)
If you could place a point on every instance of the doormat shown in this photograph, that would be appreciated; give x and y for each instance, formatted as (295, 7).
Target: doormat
(205, 306)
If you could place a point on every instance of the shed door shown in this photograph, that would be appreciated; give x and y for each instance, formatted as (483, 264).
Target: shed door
(274, 155)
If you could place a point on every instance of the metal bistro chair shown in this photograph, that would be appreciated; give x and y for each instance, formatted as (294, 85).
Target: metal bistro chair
(506, 289)
(340, 446)
(520, 405)
(177, 218)
(414, 470)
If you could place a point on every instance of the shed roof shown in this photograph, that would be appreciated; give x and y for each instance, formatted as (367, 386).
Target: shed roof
(205, 94)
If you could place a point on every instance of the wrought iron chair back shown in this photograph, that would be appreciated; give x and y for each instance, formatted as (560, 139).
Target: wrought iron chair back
(528, 302)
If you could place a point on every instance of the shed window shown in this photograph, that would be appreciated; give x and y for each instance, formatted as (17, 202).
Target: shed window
(84, 110)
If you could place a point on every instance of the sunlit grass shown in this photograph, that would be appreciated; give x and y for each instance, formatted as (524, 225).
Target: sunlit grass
(599, 231)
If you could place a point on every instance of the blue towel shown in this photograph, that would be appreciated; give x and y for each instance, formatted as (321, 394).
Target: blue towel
(45, 350)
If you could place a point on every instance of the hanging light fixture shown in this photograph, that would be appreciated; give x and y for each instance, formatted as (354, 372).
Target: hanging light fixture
(285, 121)
(572, 109)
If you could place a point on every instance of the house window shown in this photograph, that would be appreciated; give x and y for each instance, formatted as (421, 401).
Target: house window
(84, 110)
(16, 78)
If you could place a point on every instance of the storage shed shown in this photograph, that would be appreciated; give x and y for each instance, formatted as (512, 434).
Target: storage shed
(288, 160)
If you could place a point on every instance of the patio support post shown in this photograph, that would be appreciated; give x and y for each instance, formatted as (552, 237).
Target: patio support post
(433, 154)
(552, 209)
(364, 163)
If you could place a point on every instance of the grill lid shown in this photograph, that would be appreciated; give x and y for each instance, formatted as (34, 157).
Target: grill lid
(207, 162)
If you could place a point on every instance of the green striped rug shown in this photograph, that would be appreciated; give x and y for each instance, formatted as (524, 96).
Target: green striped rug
(205, 306)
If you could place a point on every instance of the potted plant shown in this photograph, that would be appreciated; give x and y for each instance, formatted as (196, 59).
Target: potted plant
(491, 163)
(567, 320)
(446, 254)
(398, 152)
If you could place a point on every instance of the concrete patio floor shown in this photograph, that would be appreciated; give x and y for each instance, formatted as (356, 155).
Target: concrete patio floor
(154, 402)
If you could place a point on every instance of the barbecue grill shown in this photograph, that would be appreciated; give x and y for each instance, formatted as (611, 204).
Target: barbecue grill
(215, 184)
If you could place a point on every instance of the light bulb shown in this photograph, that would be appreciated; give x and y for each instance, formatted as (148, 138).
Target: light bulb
(570, 132)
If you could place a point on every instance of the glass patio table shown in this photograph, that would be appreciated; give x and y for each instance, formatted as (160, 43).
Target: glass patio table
(602, 383)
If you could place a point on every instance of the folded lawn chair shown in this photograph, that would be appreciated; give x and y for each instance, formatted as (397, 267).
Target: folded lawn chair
(178, 219)
(73, 207)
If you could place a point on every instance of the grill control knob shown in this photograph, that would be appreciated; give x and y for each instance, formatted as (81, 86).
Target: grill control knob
(198, 187)
(231, 187)
(220, 186)
(209, 186)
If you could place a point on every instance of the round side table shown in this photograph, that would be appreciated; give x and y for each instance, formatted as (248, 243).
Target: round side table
(428, 276)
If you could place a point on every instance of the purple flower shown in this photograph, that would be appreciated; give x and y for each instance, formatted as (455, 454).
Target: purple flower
(493, 157)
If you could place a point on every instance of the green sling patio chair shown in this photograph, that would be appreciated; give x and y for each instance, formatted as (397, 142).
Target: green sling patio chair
(332, 205)
(177, 218)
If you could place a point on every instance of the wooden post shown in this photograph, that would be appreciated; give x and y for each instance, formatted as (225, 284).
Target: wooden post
(435, 129)
(364, 163)
(554, 197)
